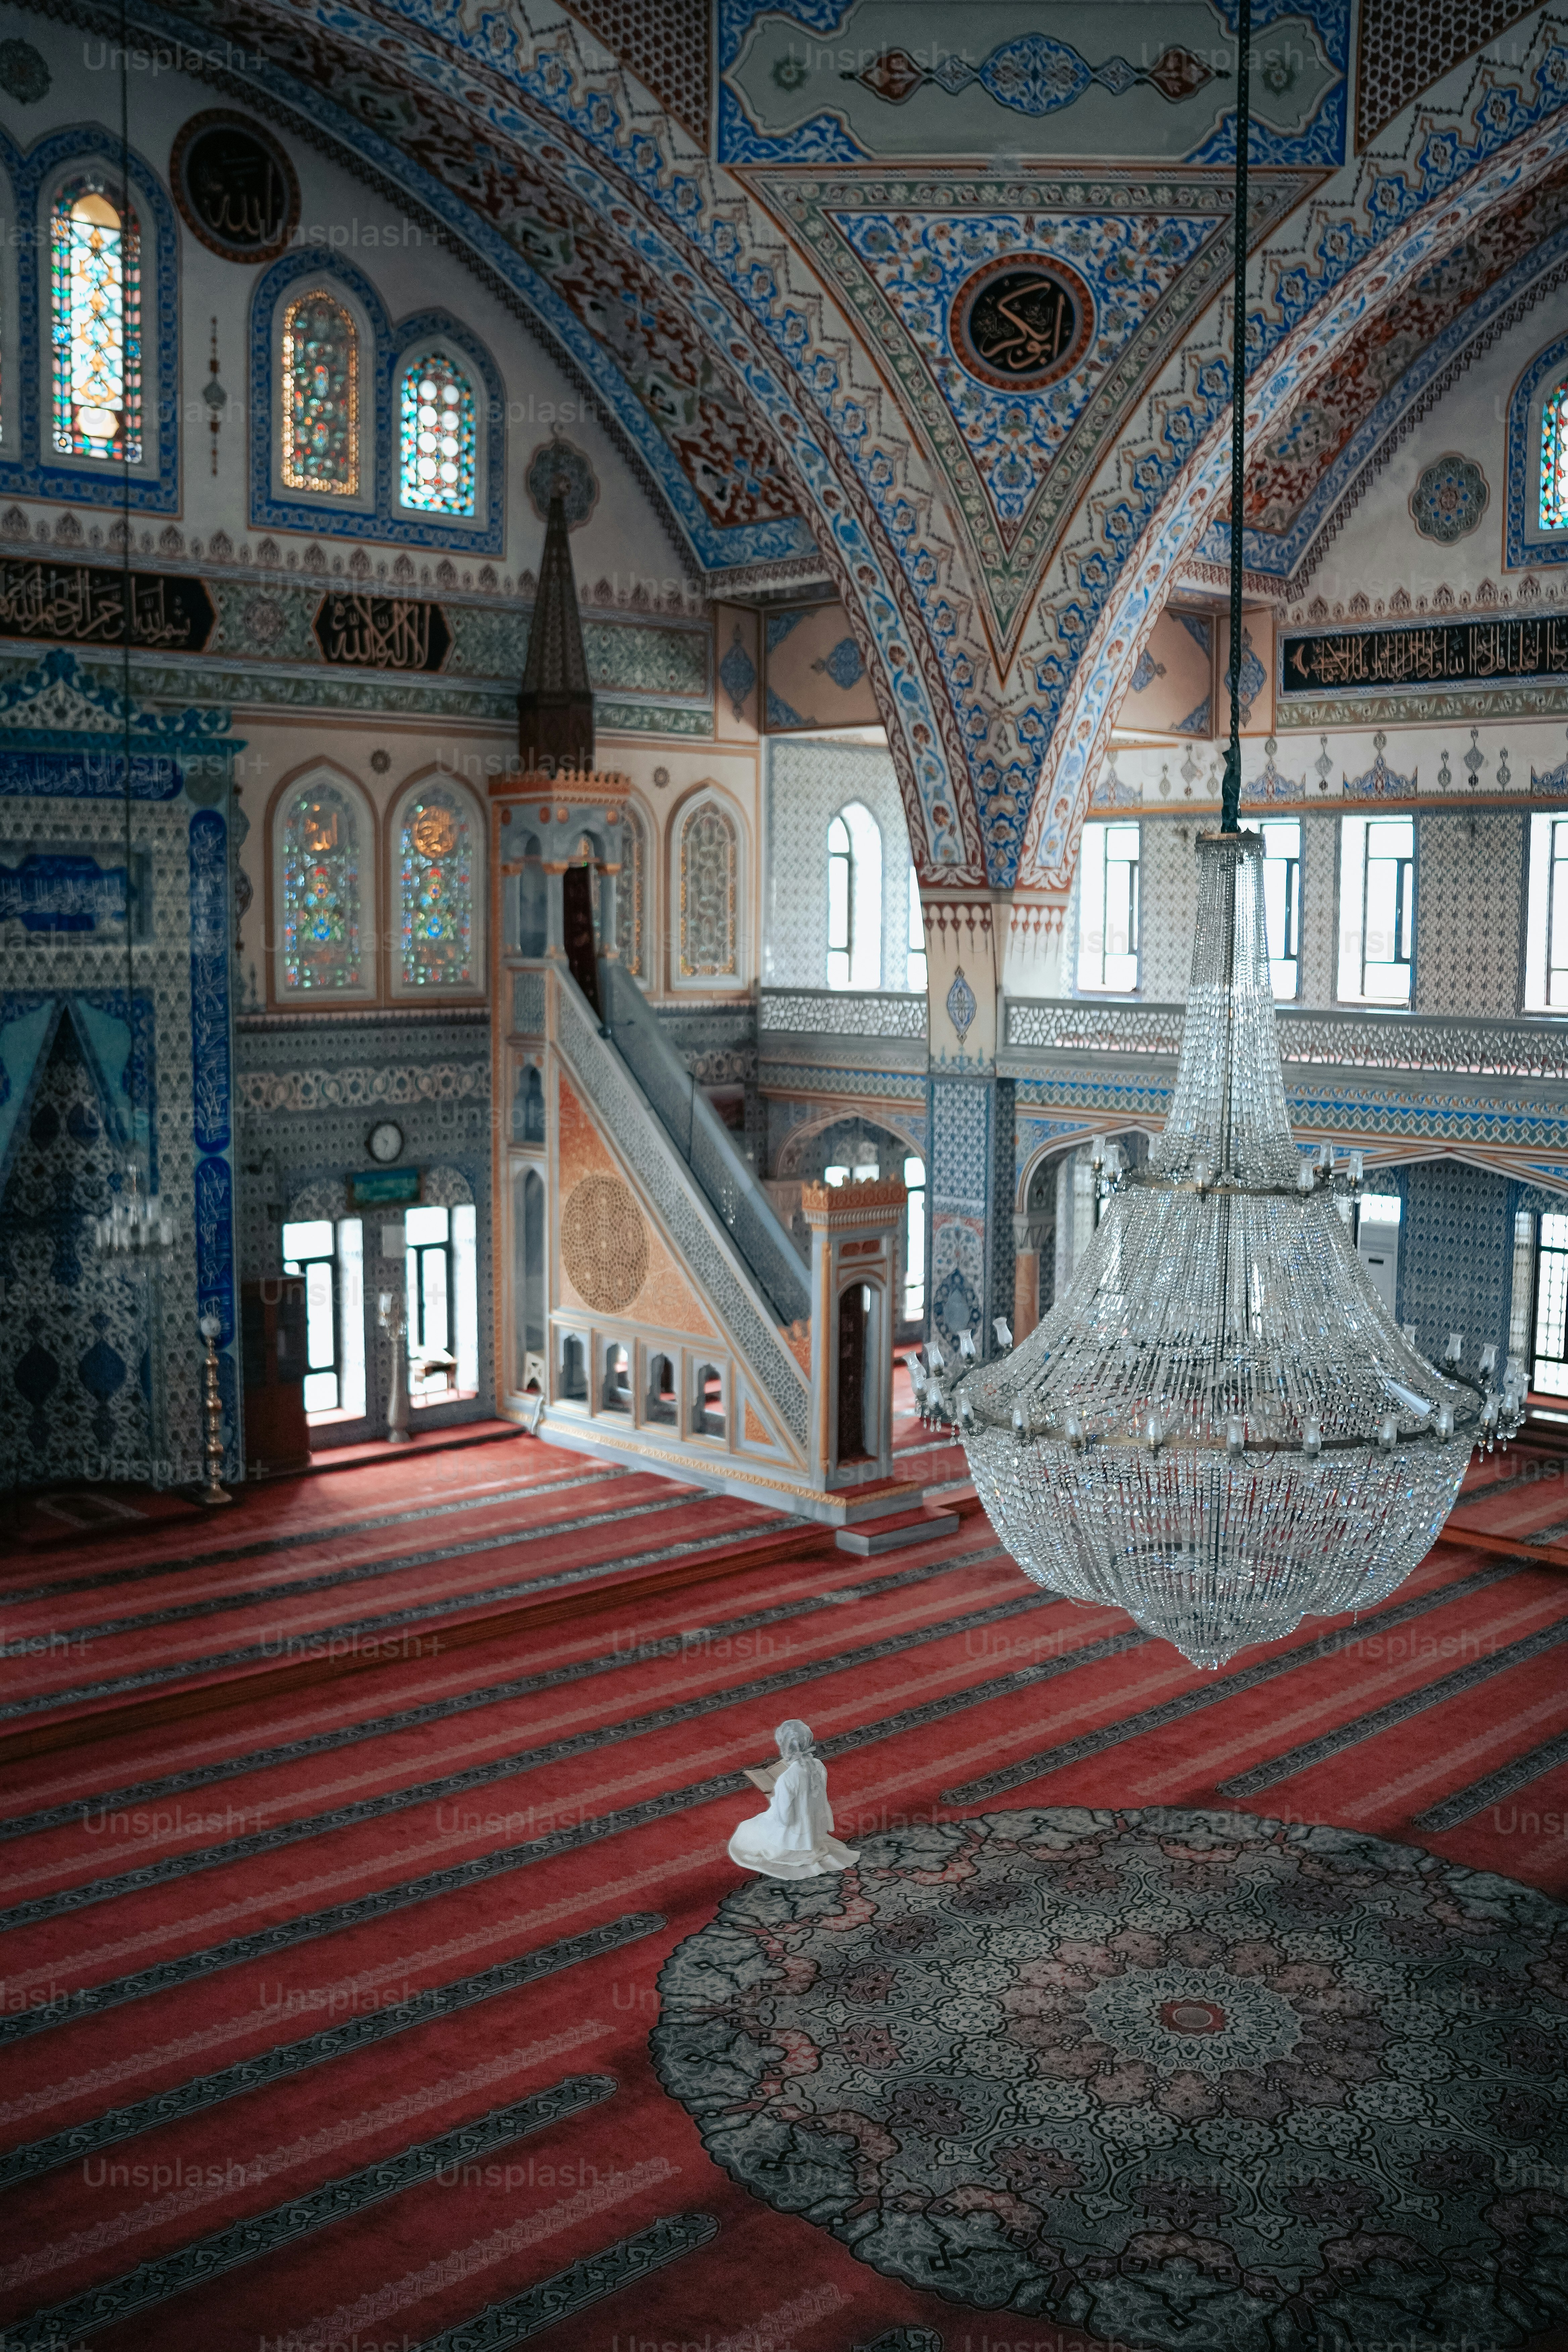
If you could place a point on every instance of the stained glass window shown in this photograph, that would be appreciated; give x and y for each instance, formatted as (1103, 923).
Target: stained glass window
(435, 848)
(96, 250)
(438, 438)
(320, 396)
(319, 877)
(1554, 461)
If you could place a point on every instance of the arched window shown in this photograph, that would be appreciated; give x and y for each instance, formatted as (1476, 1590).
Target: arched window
(321, 869)
(320, 396)
(438, 865)
(438, 436)
(96, 254)
(709, 895)
(854, 899)
(630, 893)
(1554, 460)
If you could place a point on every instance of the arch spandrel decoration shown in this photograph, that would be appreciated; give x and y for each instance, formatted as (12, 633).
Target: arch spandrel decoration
(632, 895)
(708, 932)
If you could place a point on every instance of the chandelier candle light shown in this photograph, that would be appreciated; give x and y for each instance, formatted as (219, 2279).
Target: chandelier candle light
(1219, 1427)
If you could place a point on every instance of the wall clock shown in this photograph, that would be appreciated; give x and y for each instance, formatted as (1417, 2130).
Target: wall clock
(385, 1141)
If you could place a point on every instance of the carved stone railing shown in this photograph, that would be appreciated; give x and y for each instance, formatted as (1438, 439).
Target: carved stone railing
(843, 1012)
(1419, 1042)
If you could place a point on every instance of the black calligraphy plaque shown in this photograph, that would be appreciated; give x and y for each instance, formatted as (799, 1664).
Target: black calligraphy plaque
(84, 604)
(234, 187)
(381, 631)
(1020, 323)
(1425, 653)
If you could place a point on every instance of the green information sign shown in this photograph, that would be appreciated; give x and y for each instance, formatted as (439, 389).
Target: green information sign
(384, 1188)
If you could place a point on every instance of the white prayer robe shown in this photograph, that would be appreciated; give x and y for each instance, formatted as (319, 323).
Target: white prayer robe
(794, 1839)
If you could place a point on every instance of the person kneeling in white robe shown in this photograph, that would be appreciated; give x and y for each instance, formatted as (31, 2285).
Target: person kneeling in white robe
(794, 1839)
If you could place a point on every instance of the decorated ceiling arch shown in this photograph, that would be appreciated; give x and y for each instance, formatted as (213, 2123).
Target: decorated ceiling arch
(987, 406)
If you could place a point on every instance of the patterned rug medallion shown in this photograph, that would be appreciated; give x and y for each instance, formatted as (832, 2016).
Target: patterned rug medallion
(1181, 2079)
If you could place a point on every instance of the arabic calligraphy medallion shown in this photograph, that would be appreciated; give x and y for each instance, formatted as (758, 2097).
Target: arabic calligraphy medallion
(1021, 322)
(234, 187)
(434, 833)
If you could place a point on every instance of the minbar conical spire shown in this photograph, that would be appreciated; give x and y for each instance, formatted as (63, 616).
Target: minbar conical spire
(556, 706)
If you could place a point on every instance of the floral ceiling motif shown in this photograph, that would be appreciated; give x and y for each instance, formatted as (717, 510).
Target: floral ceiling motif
(1387, 355)
(1150, 253)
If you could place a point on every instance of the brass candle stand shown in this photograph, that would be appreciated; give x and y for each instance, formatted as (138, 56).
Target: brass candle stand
(214, 1492)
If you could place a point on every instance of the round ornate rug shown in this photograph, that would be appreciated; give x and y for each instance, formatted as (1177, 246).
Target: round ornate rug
(1184, 2080)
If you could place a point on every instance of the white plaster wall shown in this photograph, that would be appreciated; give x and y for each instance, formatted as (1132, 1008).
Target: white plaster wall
(808, 782)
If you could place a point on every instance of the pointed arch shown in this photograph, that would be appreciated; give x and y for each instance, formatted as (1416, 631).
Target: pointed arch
(322, 928)
(435, 863)
(319, 396)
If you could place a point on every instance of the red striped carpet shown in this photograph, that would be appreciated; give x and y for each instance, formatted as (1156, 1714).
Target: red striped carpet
(324, 2008)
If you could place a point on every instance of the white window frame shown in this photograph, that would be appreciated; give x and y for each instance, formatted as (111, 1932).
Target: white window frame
(917, 977)
(1546, 913)
(855, 961)
(459, 1246)
(1363, 843)
(1549, 1371)
(1105, 967)
(914, 1298)
(345, 1263)
(1284, 963)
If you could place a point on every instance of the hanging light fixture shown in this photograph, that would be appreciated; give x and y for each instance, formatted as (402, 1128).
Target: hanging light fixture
(1219, 1427)
(136, 1229)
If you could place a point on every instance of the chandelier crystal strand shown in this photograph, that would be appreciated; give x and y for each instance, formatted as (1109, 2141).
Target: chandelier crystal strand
(1219, 1427)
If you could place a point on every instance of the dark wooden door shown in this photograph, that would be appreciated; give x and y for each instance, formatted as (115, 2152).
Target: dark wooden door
(853, 1315)
(578, 924)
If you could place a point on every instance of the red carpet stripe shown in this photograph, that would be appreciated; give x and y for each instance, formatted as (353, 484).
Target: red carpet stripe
(1213, 1692)
(670, 1646)
(244, 2242)
(284, 1834)
(258, 1596)
(1399, 1710)
(356, 2031)
(568, 2291)
(1464, 1802)
(319, 1641)
(326, 1532)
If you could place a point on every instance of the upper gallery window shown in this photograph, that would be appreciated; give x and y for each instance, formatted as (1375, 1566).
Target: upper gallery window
(1109, 908)
(438, 438)
(435, 881)
(915, 963)
(1554, 460)
(1282, 901)
(854, 899)
(321, 888)
(1546, 923)
(320, 396)
(96, 248)
(1377, 909)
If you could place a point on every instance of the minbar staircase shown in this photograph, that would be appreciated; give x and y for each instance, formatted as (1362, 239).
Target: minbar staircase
(649, 1305)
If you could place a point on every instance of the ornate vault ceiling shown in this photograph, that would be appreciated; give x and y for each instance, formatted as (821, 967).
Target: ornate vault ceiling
(989, 402)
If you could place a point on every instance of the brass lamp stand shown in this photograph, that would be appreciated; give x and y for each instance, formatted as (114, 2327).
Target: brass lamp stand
(214, 1492)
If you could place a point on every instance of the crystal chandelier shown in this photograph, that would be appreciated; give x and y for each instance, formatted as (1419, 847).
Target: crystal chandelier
(1219, 1428)
(135, 1229)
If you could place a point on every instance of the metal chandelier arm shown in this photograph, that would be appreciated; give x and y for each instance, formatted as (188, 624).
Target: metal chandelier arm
(1230, 789)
